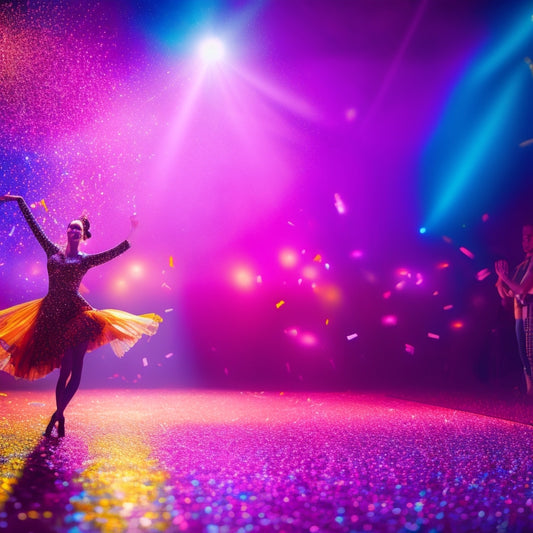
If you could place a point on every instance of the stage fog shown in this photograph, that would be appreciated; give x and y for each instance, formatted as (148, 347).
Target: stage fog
(322, 188)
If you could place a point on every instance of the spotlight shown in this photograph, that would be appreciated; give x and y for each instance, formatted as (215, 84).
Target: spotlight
(212, 50)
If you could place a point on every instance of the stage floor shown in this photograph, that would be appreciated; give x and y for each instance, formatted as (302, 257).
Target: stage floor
(219, 461)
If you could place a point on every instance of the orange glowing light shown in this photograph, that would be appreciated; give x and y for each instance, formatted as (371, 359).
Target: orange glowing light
(288, 258)
(243, 278)
(310, 272)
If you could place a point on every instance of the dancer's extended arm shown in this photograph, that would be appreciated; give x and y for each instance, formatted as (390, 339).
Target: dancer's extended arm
(48, 246)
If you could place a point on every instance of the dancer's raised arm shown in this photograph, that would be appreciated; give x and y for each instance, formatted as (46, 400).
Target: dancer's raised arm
(48, 246)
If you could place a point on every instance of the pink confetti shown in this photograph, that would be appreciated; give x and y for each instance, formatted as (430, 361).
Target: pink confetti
(169, 355)
(387, 295)
(145, 361)
(467, 252)
(352, 336)
(448, 307)
(482, 274)
(485, 217)
(339, 204)
(410, 349)
(433, 336)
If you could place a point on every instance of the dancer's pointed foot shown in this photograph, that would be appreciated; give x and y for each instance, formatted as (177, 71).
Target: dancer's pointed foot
(61, 426)
(60, 420)
(50, 426)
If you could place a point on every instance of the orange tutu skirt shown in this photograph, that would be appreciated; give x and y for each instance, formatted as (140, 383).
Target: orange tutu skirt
(32, 342)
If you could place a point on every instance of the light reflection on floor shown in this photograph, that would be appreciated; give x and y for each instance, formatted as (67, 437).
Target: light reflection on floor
(164, 460)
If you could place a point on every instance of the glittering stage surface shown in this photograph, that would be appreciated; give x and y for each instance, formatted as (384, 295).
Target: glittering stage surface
(162, 460)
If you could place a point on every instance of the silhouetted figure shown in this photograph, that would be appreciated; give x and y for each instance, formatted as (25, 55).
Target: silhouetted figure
(520, 287)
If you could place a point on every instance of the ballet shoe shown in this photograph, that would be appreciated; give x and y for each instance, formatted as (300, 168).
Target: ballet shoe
(50, 426)
(61, 427)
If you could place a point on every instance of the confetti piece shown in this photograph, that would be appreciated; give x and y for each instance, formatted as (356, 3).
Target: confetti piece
(443, 265)
(327, 321)
(410, 349)
(448, 307)
(352, 336)
(339, 204)
(145, 361)
(467, 252)
(317, 258)
(482, 274)
(485, 217)
(171, 262)
(169, 355)
(12, 231)
(523, 144)
(458, 324)
(169, 310)
(43, 203)
(3, 394)
(259, 279)
(165, 286)
(280, 303)
(419, 279)
(387, 295)
(433, 336)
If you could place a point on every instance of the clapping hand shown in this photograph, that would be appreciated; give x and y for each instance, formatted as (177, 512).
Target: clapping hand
(502, 268)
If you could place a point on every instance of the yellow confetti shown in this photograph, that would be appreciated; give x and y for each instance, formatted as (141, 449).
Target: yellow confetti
(280, 303)
(43, 203)
(171, 262)
(317, 258)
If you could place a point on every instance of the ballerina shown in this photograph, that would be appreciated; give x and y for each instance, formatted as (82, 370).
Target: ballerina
(58, 330)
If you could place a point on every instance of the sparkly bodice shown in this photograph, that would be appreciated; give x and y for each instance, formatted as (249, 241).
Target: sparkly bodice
(65, 273)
